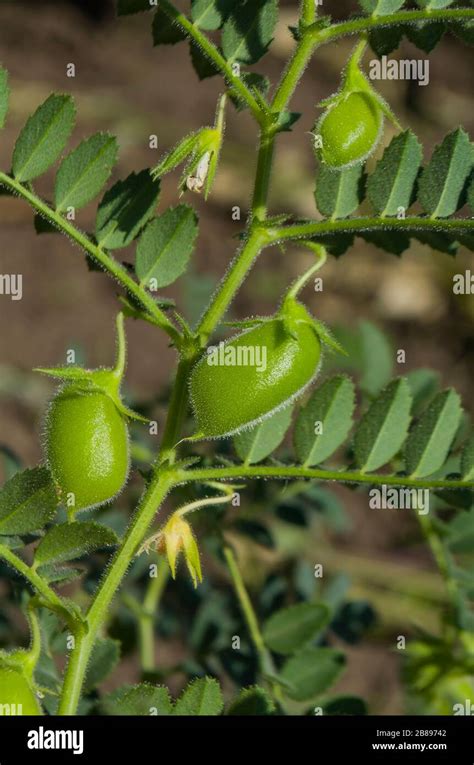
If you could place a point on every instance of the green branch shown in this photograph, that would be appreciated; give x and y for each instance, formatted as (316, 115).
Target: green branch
(364, 24)
(216, 57)
(79, 657)
(50, 598)
(310, 229)
(283, 472)
(109, 264)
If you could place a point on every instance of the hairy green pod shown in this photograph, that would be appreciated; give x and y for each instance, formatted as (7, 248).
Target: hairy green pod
(87, 446)
(229, 397)
(16, 693)
(350, 130)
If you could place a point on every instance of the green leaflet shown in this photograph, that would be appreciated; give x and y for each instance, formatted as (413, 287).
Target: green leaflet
(164, 31)
(211, 14)
(43, 138)
(202, 65)
(202, 696)
(166, 245)
(442, 181)
(125, 209)
(67, 541)
(391, 184)
(290, 629)
(383, 429)
(254, 701)
(311, 671)
(428, 443)
(256, 444)
(381, 7)
(424, 383)
(4, 95)
(104, 658)
(27, 502)
(376, 358)
(248, 31)
(324, 422)
(339, 193)
(425, 35)
(467, 460)
(433, 5)
(143, 699)
(461, 532)
(84, 172)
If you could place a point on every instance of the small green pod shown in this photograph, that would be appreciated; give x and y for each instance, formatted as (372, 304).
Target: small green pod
(16, 694)
(87, 447)
(250, 376)
(350, 130)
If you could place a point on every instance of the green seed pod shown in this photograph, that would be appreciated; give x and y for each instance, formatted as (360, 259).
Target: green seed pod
(87, 447)
(350, 130)
(250, 376)
(351, 126)
(16, 694)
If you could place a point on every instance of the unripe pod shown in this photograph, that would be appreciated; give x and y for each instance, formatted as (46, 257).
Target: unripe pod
(87, 446)
(16, 694)
(350, 130)
(228, 397)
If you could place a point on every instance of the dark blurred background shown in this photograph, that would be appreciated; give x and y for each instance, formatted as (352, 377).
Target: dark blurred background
(126, 86)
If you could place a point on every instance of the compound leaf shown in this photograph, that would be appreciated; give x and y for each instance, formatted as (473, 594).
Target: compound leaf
(391, 184)
(166, 245)
(84, 172)
(67, 541)
(125, 210)
(27, 502)
(330, 408)
(442, 181)
(428, 443)
(383, 429)
(43, 138)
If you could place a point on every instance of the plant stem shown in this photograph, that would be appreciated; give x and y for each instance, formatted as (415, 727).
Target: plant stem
(265, 659)
(109, 264)
(283, 472)
(146, 621)
(294, 71)
(356, 226)
(368, 23)
(51, 599)
(231, 282)
(177, 409)
(308, 12)
(155, 494)
(440, 556)
(216, 57)
(262, 176)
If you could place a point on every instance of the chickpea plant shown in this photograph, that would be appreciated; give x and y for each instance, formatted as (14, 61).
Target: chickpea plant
(409, 433)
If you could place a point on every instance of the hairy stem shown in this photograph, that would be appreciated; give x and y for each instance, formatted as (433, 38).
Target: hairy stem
(360, 225)
(367, 23)
(146, 621)
(109, 264)
(342, 476)
(50, 598)
(75, 673)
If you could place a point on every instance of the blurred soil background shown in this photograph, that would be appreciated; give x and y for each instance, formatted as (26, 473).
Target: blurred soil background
(127, 87)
